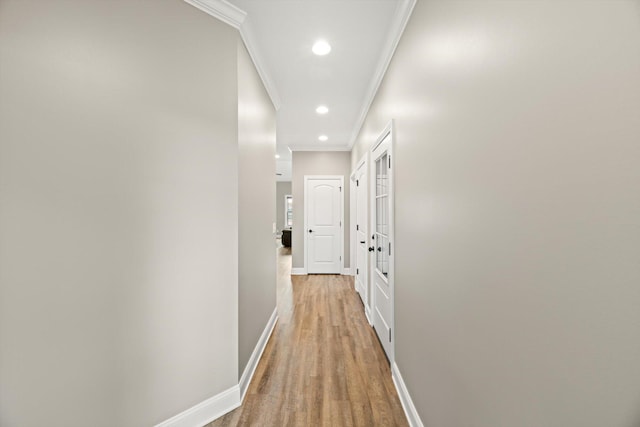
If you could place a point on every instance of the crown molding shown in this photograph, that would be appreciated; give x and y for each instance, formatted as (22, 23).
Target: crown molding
(237, 18)
(246, 31)
(401, 18)
(221, 9)
(323, 148)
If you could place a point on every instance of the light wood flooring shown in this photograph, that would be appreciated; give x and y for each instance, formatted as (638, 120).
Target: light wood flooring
(323, 365)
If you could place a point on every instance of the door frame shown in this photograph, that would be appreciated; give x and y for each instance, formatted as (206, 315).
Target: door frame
(352, 227)
(388, 131)
(308, 178)
(362, 163)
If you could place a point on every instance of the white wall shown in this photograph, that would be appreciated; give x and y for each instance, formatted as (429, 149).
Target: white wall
(118, 245)
(517, 211)
(257, 211)
(316, 163)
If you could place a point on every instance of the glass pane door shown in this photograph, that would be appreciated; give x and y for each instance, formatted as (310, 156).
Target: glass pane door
(288, 211)
(382, 215)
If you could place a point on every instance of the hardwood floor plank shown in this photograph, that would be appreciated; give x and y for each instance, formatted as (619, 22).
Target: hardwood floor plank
(323, 365)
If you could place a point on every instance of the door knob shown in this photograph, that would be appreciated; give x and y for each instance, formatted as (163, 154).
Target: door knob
(310, 231)
(379, 249)
(371, 249)
(362, 241)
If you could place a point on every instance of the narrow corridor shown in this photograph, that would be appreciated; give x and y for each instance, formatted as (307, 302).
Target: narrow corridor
(323, 364)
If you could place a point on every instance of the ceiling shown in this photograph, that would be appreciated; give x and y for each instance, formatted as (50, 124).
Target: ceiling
(280, 35)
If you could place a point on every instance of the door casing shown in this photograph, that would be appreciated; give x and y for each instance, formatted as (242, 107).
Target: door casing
(307, 178)
(360, 226)
(387, 132)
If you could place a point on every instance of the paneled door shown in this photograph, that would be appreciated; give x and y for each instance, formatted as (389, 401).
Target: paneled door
(382, 241)
(361, 235)
(323, 224)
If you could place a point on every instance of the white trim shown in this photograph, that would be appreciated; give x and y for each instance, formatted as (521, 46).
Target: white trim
(238, 18)
(367, 313)
(307, 178)
(222, 403)
(319, 148)
(352, 225)
(388, 131)
(347, 271)
(296, 271)
(363, 161)
(246, 31)
(365, 293)
(405, 8)
(205, 412)
(405, 399)
(221, 9)
(252, 364)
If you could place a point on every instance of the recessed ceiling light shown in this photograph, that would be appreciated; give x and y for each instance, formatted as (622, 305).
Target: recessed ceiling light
(277, 156)
(322, 109)
(321, 47)
(323, 138)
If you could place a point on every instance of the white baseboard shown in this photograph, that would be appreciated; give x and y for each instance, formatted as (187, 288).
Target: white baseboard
(215, 407)
(367, 313)
(302, 271)
(407, 404)
(250, 369)
(205, 412)
(298, 271)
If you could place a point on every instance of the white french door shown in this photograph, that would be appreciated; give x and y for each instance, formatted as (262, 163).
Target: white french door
(323, 224)
(382, 241)
(361, 235)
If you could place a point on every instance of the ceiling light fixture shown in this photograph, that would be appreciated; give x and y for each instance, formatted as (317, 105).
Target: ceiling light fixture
(323, 138)
(322, 109)
(277, 156)
(321, 48)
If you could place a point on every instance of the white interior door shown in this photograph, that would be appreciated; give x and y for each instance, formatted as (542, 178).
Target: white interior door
(323, 234)
(361, 235)
(382, 242)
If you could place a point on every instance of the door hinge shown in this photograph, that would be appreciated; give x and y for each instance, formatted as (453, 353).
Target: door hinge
(389, 334)
(389, 162)
(357, 271)
(340, 189)
(389, 248)
(340, 258)
(340, 223)
(357, 227)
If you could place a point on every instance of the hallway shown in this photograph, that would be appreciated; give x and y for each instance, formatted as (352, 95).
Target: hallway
(323, 364)
(488, 154)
